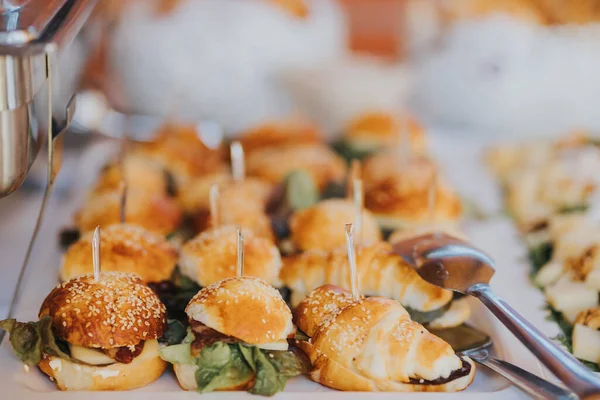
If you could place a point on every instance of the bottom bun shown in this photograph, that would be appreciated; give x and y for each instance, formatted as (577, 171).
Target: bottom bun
(186, 376)
(332, 374)
(143, 370)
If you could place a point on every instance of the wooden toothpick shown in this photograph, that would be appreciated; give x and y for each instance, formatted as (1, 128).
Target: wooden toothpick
(238, 166)
(352, 261)
(96, 253)
(215, 215)
(240, 252)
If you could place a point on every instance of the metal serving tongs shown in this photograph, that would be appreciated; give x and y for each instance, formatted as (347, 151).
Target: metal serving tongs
(453, 264)
(471, 342)
(54, 142)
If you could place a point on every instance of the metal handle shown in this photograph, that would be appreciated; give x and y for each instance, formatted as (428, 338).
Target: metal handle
(562, 364)
(531, 384)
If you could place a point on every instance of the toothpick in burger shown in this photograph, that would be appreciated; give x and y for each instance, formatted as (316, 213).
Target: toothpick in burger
(238, 340)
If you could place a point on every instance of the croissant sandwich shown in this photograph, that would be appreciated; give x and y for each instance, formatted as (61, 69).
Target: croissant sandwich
(95, 334)
(371, 344)
(380, 273)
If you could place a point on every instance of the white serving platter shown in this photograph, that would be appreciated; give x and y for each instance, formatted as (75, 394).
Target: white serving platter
(495, 235)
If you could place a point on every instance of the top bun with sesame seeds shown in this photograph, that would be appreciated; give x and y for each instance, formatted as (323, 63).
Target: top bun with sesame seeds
(246, 308)
(115, 311)
(123, 248)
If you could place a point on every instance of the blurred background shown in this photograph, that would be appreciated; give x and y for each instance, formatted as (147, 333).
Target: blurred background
(491, 70)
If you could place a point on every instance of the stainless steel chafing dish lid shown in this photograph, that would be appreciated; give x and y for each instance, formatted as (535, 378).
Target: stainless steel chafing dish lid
(31, 33)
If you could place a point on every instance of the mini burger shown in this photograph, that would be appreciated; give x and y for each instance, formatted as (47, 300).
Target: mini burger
(95, 334)
(123, 248)
(179, 150)
(278, 134)
(212, 256)
(375, 131)
(237, 340)
(399, 197)
(274, 164)
(318, 227)
(155, 212)
(141, 174)
(245, 202)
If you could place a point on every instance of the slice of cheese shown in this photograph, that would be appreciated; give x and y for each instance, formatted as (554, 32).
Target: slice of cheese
(90, 356)
(586, 343)
(571, 296)
(280, 345)
(549, 274)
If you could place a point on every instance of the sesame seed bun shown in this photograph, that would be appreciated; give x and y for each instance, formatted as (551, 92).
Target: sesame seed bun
(212, 256)
(375, 130)
(273, 164)
(246, 308)
(116, 311)
(277, 134)
(155, 212)
(123, 248)
(143, 370)
(140, 174)
(321, 227)
(400, 197)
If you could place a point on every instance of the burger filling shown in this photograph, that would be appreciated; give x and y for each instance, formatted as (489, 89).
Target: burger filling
(224, 362)
(32, 341)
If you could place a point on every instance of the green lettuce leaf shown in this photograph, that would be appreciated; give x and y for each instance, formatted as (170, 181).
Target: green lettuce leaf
(273, 370)
(224, 365)
(566, 337)
(300, 190)
(31, 340)
(174, 334)
(221, 366)
(539, 256)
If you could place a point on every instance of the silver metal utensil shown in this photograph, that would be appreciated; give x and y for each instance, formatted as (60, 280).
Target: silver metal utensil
(472, 342)
(451, 263)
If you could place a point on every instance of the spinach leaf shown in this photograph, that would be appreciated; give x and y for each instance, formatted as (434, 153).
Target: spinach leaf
(539, 256)
(174, 334)
(221, 366)
(31, 340)
(274, 369)
(300, 190)
(566, 337)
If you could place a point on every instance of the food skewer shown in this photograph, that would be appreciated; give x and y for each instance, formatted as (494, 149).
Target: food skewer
(214, 205)
(240, 252)
(352, 261)
(96, 253)
(238, 165)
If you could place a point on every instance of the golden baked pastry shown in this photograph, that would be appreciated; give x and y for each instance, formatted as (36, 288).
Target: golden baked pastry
(371, 344)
